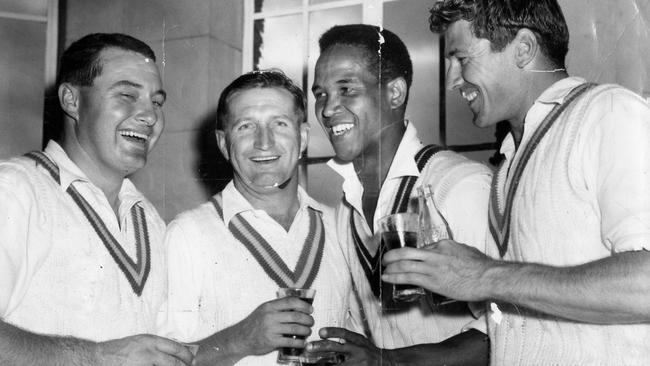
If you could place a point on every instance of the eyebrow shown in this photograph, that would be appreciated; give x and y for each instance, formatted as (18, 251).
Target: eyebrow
(343, 80)
(122, 83)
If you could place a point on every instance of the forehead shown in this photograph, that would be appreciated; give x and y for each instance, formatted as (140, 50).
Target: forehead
(274, 100)
(342, 61)
(459, 38)
(119, 64)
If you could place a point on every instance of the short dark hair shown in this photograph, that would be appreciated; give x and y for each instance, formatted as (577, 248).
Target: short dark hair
(272, 78)
(81, 64)
(394, 61)
(499, 21)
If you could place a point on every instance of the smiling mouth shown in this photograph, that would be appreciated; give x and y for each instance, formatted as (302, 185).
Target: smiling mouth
(469, 96)
(341, 129)
(134, 136)
(265, 159)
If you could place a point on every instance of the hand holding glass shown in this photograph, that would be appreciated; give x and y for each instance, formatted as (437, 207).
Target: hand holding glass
(398, 231)
(289, 355)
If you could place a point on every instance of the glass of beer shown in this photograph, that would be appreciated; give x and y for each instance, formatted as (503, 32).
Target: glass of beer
(288, 355)
(398, 231)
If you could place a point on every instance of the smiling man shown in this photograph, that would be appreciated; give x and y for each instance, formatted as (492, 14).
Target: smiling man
(229, 256)
(81, 252)
(361, 87)
(570, 205)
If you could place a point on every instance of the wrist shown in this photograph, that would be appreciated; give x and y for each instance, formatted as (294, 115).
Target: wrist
(494, 279)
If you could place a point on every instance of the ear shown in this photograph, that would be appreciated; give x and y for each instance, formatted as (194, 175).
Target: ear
(396, 90)
(69, 99)
(222, 142)
(304, 137)
(526, 47)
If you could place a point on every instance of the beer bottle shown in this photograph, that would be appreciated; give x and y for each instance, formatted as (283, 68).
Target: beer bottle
(432, 228)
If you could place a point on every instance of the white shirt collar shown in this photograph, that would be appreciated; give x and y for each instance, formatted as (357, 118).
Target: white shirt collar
(234, 202)
(69, 172)
(405, 155)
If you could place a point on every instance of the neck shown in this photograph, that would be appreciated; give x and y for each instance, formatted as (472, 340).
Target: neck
(536, 83)
(109, 183)
(281, 203)
(373, 164)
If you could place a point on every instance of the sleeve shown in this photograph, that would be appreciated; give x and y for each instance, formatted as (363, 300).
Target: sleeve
(16, 211)
(465, 204)
(180, 317)
(616, 166)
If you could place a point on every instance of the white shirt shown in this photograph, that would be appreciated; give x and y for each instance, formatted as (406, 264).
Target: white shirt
(583, 196)
(56, 275)
(462, 188)
(215, 282)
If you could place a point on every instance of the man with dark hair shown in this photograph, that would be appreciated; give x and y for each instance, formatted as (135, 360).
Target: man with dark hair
(229, 256)
(81, 255)
(570, 204)
(361, 87)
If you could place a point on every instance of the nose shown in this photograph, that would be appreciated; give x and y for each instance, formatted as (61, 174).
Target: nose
(264, 138)
(147, 114)
(454, 76)
(331, 106)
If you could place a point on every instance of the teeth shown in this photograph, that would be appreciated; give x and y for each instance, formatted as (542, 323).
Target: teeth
(134, 134)
(265, 158)
(341, 129)
(469, 96)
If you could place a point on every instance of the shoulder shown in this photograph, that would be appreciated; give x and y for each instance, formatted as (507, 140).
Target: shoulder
(451, 166)
(18, 169)
(196, 217)
(449, 171)
(21, 178)
(610, 113)
(613, 99)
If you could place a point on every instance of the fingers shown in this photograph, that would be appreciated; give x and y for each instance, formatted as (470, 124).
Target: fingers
(326, 345)
(290, 303)
(346, 335)
(163, 359)
(174, 349)
(400, 254)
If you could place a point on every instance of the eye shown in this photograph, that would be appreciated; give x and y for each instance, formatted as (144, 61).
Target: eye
(243, 126)
(128, 96)
(318, 95)
(158, 103)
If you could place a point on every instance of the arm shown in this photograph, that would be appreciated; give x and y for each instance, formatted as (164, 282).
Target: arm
(21, 348)
(464, 349)
(611, 290)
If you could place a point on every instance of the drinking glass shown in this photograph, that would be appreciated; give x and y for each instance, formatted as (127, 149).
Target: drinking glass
(398, 231)
(290, 355)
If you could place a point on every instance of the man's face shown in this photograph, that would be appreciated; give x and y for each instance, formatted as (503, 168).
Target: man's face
(485, 79)
(120, 115)
(263, 138)
(349, 101)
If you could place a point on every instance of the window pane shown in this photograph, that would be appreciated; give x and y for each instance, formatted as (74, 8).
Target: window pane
(278, 43)
(319, 22)
(271, 5)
